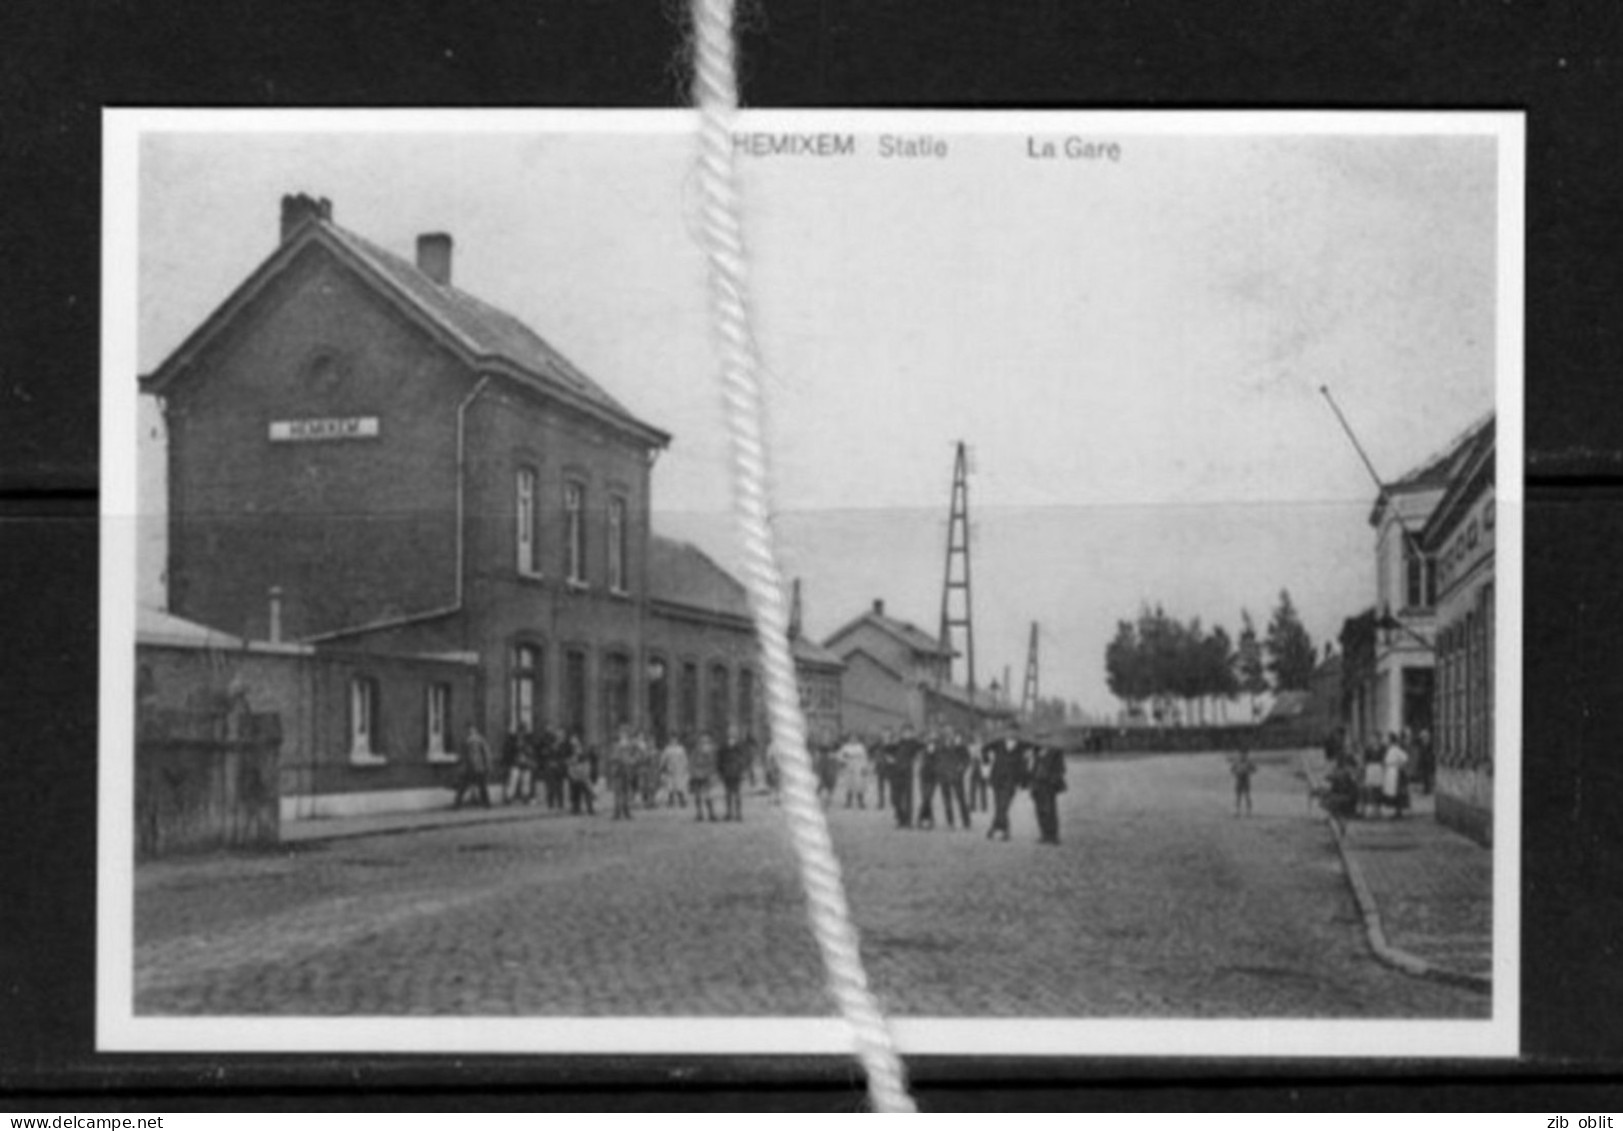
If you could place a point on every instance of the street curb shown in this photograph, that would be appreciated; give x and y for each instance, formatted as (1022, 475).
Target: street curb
(1374, 929)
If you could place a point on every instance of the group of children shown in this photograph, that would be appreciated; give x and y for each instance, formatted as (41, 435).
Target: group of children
(640, 769)
(1369, 788)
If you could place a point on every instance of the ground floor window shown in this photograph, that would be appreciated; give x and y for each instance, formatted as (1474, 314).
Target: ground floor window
(720, 697)
(363, 717)
(746, 702)
(439, 718)
(659, 699)
(574, 699)
(522, 696)
(616, 693)
(687, 703)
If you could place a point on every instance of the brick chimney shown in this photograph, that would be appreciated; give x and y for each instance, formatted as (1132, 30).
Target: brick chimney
(434, 256)
(878, 607)
(298, 208)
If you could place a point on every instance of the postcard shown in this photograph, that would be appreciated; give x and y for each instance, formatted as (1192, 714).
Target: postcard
(1155, 602)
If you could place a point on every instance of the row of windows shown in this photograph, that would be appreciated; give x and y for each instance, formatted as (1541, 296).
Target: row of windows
(527, 540)
(665, 706)
(668, 703)
(1465, 687)
(366, 720)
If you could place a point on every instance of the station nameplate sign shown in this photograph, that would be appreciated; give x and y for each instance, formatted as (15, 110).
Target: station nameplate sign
(325, 428)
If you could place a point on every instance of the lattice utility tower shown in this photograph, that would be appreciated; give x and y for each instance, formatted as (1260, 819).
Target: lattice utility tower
(1028, 693)
(957, 576)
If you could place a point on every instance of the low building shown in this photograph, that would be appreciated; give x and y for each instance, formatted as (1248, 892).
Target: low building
(361, 732)
(1460, 537)
(821, 675)
(897, 674)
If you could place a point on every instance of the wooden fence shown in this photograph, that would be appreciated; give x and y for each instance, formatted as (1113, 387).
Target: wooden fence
(206, 780)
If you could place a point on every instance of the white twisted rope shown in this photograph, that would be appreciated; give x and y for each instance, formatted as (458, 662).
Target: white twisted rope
(716, 93)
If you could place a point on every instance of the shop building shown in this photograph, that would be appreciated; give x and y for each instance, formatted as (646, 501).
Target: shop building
(1460, 538)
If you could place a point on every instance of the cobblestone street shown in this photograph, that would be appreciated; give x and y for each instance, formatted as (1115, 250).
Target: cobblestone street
(1159, 903)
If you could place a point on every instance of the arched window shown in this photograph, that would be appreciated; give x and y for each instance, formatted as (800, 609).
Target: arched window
(575, 692)
(659, 698)
(524, 687)
(616, 693)
(746, 702)
(720, 701)
(687, 703)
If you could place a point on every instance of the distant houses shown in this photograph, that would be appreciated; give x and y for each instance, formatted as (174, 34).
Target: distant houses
(896, 674)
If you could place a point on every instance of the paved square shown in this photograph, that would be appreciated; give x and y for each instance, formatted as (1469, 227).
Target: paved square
(1158, 903)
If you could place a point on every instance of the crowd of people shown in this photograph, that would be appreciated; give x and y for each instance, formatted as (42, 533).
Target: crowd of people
(558, 769)
(903, 770)
(1376, 779)
(910, 769)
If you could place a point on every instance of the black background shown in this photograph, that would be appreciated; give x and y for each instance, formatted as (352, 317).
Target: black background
(65, 62)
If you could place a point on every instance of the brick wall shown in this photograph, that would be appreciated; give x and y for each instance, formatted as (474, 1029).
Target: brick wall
(714, 646)
(352, 530)
(310, 695)
(507, 431)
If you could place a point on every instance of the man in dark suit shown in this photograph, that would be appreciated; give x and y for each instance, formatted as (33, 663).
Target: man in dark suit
(1047, 783)
(931, 752)
(955, 760)
(1008, 774)
(731, 763)
(903, 754)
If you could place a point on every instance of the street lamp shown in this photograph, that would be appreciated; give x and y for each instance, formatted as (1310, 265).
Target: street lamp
(1388, 624)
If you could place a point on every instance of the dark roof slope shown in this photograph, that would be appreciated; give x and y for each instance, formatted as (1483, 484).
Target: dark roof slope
(1476, 464)
(481, 333)
(1440, 469)
(679, 573)
(808, 651)
(908, 633)
(488, 331)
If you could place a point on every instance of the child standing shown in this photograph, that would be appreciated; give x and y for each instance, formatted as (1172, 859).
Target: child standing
(1242, 768)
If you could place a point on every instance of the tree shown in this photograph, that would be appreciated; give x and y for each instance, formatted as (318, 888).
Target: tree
(1179, 669)
(1248, 661)
(1124, 666)
(1220, 680)
(1291, 657)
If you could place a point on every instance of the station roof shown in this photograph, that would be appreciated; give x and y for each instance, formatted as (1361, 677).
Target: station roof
(483, 335)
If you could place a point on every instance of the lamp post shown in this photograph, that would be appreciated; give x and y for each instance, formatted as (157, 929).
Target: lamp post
(1388, 624)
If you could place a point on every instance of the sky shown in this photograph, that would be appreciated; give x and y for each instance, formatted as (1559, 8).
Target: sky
(1132, 348)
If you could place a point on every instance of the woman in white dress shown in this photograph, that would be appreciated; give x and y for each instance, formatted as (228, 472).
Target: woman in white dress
(1394, 790)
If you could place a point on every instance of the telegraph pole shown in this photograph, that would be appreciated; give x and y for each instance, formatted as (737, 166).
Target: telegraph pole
(956, 578)
(1028, 693)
